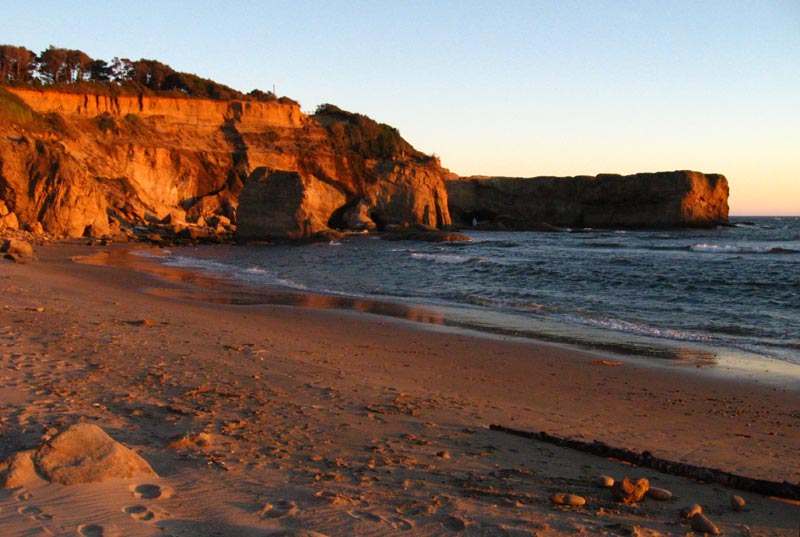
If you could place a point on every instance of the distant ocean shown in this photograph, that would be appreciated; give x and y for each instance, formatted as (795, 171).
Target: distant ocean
(678, 294)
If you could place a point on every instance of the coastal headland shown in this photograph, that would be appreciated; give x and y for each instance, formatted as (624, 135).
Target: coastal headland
(167, 168)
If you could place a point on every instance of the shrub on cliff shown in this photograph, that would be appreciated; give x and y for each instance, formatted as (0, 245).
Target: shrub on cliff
(14, 110)
(363, 135)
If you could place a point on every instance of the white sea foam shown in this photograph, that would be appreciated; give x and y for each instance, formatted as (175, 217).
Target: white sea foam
(444, 258)
(732, 249)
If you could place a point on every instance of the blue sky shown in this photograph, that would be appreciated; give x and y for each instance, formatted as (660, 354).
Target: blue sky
(498, 88)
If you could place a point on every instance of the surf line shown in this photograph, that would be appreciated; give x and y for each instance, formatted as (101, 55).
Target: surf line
(646, 459)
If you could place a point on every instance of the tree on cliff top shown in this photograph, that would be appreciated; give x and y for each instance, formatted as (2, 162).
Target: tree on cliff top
(16, 64)
(72, 69)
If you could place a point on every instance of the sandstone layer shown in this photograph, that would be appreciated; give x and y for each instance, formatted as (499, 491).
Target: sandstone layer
(88, 165)
(645, 200)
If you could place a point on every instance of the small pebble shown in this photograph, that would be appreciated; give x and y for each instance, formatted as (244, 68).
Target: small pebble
(737, 503)
(659, 494)
(701, 523)
(689, 512)
(443, 454)
(573, 500)
(605, 481)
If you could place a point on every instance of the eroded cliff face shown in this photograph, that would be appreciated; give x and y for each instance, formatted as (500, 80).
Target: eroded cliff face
(645, 200)
(89, 164)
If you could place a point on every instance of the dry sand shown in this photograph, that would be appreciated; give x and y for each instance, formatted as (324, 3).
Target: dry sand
(271, 420)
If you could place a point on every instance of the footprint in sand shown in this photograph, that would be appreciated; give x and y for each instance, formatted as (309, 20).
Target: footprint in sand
(364, 515)
(34, 513)
(279, 509)
(140, 512)
(453, 523)
(400, 523)
(151, 492)
(494, 531)
(91, 530)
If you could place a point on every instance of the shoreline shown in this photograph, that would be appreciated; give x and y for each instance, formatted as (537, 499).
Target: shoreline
(344, 416)
(195, 285)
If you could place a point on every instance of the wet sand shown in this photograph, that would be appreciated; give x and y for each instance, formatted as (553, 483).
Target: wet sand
(350, 423)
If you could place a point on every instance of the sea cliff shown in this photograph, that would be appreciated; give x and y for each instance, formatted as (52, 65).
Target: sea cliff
(82, 164)
(644, 200)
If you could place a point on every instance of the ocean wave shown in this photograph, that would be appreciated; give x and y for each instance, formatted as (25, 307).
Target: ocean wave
(640, 329)
(606, 245)
(151, 252)
(446, 258)
(731, 249)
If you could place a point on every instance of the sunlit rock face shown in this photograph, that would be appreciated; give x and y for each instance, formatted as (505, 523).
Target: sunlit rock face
(645, 200)
(82, 164)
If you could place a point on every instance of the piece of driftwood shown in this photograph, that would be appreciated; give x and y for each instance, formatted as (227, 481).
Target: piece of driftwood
(645, 458)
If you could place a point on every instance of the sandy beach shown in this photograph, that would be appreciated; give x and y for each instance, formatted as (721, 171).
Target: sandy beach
(274, 420)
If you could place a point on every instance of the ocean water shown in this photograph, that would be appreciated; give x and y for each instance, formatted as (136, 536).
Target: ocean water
(681, 294)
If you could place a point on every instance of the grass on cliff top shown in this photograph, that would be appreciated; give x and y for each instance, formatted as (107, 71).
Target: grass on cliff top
(14, 110)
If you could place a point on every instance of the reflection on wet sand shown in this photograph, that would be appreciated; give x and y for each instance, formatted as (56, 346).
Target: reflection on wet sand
(192, 285)
(200, 287)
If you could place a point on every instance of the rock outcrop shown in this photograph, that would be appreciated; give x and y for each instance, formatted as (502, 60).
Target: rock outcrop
(286, 205)
(645, 200)
(82, 453)
(87, 165)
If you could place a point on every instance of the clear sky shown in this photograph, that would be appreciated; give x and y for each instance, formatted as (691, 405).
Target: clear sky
(522, 88)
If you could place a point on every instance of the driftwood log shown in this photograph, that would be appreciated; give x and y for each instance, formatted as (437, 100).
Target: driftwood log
(646, 459)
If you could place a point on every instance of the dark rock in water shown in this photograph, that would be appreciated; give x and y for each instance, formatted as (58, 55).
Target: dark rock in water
(426, 236)
(645, 200)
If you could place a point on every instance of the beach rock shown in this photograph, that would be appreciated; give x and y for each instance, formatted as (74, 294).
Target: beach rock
(36, 228)
(737, 502)
(9, 222)
(628, 491)
(84, 453)
(18, 250)
(17, 470)
(200, 441)
(572, 500)
(358, 219)
(701, 523)
(285, 205)
(659, 494)
(605, 481)
(645, 200)
(690, 511)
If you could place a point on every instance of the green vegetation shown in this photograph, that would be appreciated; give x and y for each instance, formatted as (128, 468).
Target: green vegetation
(105, 122)
(14, 110)
(364, 136)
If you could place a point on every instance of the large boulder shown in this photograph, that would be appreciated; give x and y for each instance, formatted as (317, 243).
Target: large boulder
(285, 205)
(411, 193)
(645, 200)
(18, 250)
(84, 453)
